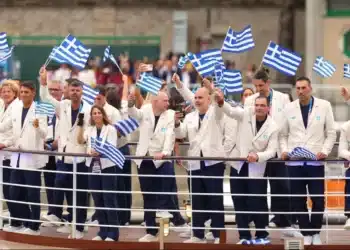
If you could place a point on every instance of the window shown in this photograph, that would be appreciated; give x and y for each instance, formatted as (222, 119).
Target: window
(338, 8)
(347, 43)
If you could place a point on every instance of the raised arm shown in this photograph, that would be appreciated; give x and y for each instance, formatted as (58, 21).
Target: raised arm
(44, 92)
(184, 91)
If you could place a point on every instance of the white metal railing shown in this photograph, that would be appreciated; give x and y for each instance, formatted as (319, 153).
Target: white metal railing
(75, 190)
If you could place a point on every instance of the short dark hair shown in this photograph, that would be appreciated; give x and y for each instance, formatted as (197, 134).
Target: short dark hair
(264, 97)
(245, 89)
(74, 82)
(28, 84)
(101, 90)
(262, 74)
(303, 78)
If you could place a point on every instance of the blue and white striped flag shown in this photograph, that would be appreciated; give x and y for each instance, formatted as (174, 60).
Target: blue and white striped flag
(346, 70)
(323, 67)
(238, 42)
(302, 153)
(4, 55)
(219, 72)
(205, 61)
(149, 83)
(72, 51)
(127, 126)
(3, 42)
(182, 62)
(282, 59)
(56, 57)
(44, 108)
(89, 94)
(108, 150)
(108, 55)
(232, 81)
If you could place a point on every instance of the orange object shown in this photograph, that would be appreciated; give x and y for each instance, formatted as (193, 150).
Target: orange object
(334, 195)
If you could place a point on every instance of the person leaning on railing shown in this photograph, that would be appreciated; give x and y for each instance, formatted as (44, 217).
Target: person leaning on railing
(308, 124)
(100, 128)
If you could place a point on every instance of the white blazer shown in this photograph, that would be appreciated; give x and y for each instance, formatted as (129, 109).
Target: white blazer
(344, 141)
(109, 134)
(160, 140)
(114, 115)
(320, 134)
(230, 139)
(208, 138)
(26, 137)
(6, 137)
(67, 133)
(264, 143)
(278, 103)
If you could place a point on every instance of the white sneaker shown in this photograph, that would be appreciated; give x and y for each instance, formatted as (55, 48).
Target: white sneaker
(195, 240)
(316, 239)
(244, 242)
(52, 218)
(66, 229)
(217, 241)
(272, 225)
(207, 223)
(109, 239)
(347, 224)
(12, 229)
(182, 228)
(143, 224)
(307, 240)
(251, 224)
(291, 232)
(209, 236)
(49, 224)
(98, 238)
(185, 234)
(78, 235)
(29, 231)
(148, 238)
(164, 215)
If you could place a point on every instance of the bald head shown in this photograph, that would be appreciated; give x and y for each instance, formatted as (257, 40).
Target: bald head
(160, 102)
(202, 100)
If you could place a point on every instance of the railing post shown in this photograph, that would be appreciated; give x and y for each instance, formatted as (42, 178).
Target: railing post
(74, 209)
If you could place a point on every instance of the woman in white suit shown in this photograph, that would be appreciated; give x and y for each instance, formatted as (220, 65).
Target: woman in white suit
(100, 128)
(9, 94)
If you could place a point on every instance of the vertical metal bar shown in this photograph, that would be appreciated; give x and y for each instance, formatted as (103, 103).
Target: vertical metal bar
(326, 201)
(74, 209)
(1, 192)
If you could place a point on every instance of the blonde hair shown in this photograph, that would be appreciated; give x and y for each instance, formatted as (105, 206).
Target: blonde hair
(13, 85)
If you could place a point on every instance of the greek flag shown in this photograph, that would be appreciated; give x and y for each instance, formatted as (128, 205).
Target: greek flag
(149, 83)
(219, 72)
(107, 55)
(346, 70)
(182, 62)
(56, 57)
(89, 94)
(232, 81)
(303, 153)
(3, 42)
(127, 126)
(109, 151)
(282, 59)
(4, 55)
(205, 61)
(323, 67)
(44, 108)
(238, 42)
(72, 51)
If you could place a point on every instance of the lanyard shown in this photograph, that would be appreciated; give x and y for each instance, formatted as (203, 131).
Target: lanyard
(310, 105)
(270, 97)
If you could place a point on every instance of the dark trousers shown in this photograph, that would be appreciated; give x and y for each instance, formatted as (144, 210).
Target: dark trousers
(121, 198)
(249, 203)
(49, 179)
(105, 200)
(32, 194)
(126, 180)
(64, 180)
(208, 202)
(347, 192)
(150, 184)
(280, 187)
(6, 191)
(315, 187)
(168, 185)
